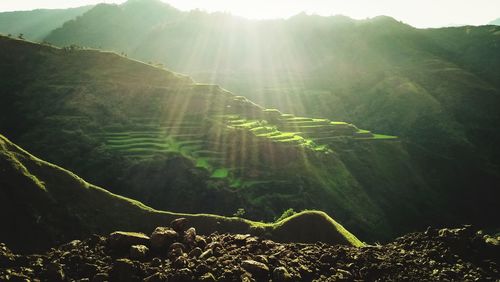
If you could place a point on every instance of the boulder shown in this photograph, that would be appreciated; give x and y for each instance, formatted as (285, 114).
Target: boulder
(280, 274)
(163, 237)
(138, 252)
(257, 269)
(124, 240)
(179, 224)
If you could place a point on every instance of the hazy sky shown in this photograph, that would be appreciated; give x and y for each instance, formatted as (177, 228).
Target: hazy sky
(420, 13)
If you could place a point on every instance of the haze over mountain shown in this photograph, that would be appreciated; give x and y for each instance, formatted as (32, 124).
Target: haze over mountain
(37, 24)
(266, 127)
(367, 72)
(436, 87)
(495, 22)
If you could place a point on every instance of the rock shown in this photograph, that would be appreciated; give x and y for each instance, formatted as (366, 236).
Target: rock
(492, 241)
(179, 224)
(163, 237)
(156, 262)
(206, 254)
(120, 240)
(200, 242)
(257, 269)
(180, 262)
(280, 274)
(100, 277)
(326, 258)
(207, 277)
(189, 236)
(89, 269)
(7, 258)
(157, 277)
(18, 277)
(196, 252)
(123, 270)
(342, 274)
(55, 272)
(178, 245)
(71, 245)
(241, 238)
(138, 252)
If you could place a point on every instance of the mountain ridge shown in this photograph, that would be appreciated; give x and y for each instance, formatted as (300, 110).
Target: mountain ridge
(57, 206)
(155, 136)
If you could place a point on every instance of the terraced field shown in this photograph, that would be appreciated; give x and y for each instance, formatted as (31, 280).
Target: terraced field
(216, 144)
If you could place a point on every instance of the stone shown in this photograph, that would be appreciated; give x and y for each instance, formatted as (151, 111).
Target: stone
(123, 270)
(100, 277)
(157, 277)
(180, 262)
(124, 240)
(200, 242)
(207, 277)
(55, 272)
(206, 254)
(257, 269)
(177, 245)
(196, 252)
(163, 237)
(280, 274)
(190, 236)
(179, 224)
(138, 252)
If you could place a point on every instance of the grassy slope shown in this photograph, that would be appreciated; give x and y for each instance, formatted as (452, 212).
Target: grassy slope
(73, 107)
(43, 201)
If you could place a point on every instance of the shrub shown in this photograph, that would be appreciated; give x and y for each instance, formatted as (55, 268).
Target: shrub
(287, 213)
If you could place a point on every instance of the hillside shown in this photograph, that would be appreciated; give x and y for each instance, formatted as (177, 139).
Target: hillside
(377, 73)
(43, 205)
(152, 135)
(37, 24)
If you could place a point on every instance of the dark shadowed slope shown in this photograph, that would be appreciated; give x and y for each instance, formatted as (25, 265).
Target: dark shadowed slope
(156, 136)
(42, 204)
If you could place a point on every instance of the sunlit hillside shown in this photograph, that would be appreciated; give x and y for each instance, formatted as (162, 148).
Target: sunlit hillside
(143, 141)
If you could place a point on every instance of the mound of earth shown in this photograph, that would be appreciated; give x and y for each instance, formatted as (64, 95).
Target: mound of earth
(177, 253)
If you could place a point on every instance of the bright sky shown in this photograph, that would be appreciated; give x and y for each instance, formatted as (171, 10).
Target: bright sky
(419, 13)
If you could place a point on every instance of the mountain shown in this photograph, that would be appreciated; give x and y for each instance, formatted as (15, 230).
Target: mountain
(158, 137)
(37, 24)
(437, 89)
(378, 73)
(495, 22)
(43, 205)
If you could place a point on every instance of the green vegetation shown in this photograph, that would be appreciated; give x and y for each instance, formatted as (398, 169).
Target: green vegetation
(156, 136)
(287, 213)
(68, 207)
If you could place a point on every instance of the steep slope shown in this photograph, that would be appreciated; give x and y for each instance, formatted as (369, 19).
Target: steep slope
(158, 137)
(366, 72)
(42, 204)
(437, 89)
(37, 24)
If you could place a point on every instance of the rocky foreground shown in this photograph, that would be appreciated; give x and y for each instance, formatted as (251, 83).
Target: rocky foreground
(177, 253)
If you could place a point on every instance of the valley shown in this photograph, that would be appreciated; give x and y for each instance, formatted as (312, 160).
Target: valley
(144, 142)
